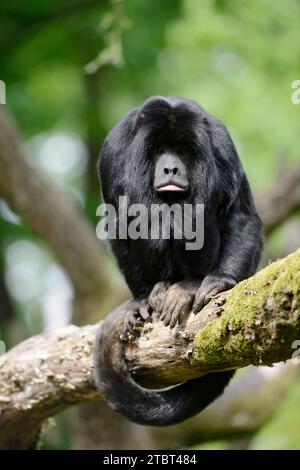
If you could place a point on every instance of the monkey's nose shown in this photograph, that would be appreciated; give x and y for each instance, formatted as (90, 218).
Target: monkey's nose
(171, 170)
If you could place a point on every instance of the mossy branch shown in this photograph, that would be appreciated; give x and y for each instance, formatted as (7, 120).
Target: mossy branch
(254, 323)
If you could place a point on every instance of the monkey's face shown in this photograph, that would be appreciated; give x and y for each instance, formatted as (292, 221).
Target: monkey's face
(169, 156)
(170, 174)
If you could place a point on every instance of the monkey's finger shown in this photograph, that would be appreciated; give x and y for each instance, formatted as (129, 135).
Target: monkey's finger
(145, 311)
(134, 317)
(184, 312)
(170, 311)
(180, 312)
(170, 299)
(154, 302)
(198, 303)
(127, 333)
(135, 322)
(176, 315)
(204, 298)
(158, 303)
(169, 303)
(138, 324)
(128, 328)
(160, 287)
(213, 292)
(208, 297)
(168, 318)
(157, 296)
(163, 314)
(135, 314)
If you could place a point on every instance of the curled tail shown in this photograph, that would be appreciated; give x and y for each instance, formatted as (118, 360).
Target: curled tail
(139, 404)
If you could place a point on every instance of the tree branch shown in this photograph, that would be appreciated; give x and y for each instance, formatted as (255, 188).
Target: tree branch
(254, 323)
(281, 199)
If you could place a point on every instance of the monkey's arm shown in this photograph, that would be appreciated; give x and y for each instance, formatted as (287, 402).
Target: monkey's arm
(241, 245)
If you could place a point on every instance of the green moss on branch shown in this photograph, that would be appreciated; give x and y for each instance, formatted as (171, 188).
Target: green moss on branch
(259, 321)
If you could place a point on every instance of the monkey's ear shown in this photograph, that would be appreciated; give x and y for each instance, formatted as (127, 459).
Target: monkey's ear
(226, 158)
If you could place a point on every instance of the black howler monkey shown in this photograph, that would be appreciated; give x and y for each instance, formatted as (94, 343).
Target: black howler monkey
(171, 150)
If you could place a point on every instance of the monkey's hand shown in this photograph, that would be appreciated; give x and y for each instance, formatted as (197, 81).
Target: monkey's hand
(211, 285)
(173, 303)
(134, 323)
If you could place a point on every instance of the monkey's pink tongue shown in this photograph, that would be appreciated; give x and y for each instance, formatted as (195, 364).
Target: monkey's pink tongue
(170, 187)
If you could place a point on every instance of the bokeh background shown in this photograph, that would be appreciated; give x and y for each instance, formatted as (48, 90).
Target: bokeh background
(72, 69)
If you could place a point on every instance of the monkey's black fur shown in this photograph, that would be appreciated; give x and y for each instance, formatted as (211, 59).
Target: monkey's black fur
(134, 160)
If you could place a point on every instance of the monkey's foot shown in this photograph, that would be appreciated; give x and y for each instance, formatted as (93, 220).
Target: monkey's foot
(177, 305)
(134, 323)
(211, 286)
